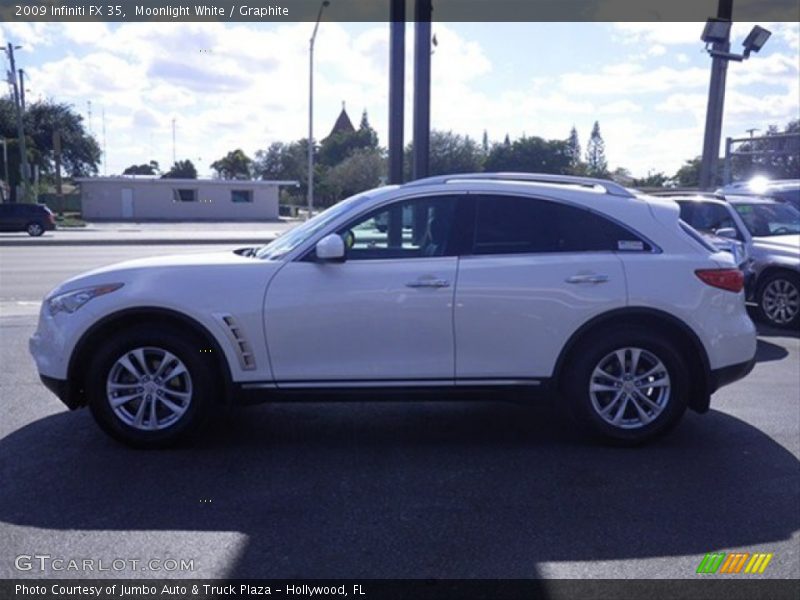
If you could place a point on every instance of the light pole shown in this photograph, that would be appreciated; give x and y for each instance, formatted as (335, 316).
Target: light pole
(311, 109)
(23, 151)
(716, 35)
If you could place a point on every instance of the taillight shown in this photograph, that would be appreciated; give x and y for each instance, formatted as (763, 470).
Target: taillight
(731, 280)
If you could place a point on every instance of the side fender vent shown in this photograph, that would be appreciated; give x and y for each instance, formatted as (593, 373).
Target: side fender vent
(240, 344)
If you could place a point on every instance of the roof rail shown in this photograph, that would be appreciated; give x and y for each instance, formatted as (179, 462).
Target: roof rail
(685, 194)
(612, 188)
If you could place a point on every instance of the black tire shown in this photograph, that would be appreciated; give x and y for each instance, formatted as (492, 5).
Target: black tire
(34, 229)
(201, 372)
(591, 352)
(767, 310)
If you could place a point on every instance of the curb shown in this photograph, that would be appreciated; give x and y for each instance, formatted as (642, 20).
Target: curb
(135, 242)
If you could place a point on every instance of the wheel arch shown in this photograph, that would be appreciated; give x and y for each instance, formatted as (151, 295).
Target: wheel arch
(137, 316)
(687, 340)
(774, 269)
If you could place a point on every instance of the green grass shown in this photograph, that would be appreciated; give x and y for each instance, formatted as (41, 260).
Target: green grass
(70, 220)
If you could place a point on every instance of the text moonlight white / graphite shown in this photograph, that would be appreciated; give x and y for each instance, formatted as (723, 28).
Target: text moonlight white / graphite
(210, 10)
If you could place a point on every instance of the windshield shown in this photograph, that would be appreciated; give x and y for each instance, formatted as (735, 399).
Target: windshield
(284, 244)
(769, 219)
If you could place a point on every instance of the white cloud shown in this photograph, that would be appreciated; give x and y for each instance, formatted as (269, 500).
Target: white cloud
(246, 85)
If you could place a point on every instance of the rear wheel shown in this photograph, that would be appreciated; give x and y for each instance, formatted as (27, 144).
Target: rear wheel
(151, 387)
(778, 298)
(628, 386)
(34, 229)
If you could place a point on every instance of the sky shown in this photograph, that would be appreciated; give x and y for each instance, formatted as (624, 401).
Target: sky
(245, 85)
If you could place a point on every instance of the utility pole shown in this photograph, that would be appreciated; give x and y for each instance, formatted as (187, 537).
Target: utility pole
(23, 151)
(105, 153)
(174, 160)
(22, 89)
(716, 101)
(5, 165)
(422, 88)
(57, 152)
(397, 59)
(322, 6)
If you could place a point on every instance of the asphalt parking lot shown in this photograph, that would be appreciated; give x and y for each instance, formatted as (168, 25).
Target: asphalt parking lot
(379, 490)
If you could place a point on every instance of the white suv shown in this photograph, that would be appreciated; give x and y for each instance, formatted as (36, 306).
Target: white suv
(498, 282)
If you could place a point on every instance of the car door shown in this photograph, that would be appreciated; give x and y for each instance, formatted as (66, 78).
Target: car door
(537, 271)
(6, 218)
(384, 315)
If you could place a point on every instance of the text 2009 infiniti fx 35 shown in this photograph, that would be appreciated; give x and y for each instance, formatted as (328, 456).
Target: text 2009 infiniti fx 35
(481, 282)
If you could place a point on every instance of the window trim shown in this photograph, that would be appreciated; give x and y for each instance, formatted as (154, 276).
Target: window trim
(469, 252)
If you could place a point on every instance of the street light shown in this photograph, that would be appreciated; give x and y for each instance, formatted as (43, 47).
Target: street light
(311, 109)
(716, 35)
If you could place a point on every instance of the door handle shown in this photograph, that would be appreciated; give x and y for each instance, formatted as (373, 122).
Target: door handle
(428, 283)
(587, 279)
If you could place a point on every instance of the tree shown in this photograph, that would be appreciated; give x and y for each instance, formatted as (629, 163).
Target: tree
(149, 169)
(285, 162)
(366, 134)
(574, 151)
(485, 143)
(653, 180)
(596, 164)
(449, 153)
(182, 169)
(689, 174)
(80, 152)
(234, 165)
(622, 176)
(530, 154)
(360, 171)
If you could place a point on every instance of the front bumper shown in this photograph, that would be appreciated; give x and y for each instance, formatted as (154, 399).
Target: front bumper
(63, 390)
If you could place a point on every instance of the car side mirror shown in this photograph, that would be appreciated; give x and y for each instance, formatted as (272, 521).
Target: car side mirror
(727, 232)
(331, 248)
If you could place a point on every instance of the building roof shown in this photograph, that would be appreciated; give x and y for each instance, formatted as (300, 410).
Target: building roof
(343, 123)
(127, 179)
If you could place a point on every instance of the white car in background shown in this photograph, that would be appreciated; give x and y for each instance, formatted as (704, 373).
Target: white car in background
(499, 282)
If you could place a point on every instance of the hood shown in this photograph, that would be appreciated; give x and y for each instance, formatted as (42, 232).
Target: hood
(173, 263)
(786, 245)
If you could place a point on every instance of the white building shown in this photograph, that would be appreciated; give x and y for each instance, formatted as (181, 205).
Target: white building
(149, 198)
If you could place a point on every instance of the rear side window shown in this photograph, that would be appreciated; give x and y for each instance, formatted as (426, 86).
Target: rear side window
(688, 230)
(519, 225)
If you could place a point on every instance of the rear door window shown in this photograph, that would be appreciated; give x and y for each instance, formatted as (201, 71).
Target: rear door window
(522, 225)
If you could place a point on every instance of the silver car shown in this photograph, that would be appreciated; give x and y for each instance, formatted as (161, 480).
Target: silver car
(773, 232)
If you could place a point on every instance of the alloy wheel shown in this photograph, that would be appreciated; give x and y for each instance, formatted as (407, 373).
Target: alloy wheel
(149, 388)
(629, 388)
(780, 301)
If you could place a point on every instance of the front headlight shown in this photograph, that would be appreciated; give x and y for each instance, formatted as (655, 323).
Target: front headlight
(69, 302)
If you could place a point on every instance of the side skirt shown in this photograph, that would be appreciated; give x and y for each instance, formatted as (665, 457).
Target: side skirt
(393, 391)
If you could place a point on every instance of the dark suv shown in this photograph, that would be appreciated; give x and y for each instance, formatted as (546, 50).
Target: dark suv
(33, 218)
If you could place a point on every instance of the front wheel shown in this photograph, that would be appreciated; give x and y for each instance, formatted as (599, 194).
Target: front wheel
(778, 298)
(150, 388)
(628, 386)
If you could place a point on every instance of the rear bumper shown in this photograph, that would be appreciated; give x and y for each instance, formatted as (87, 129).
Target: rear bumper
(725, 375)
